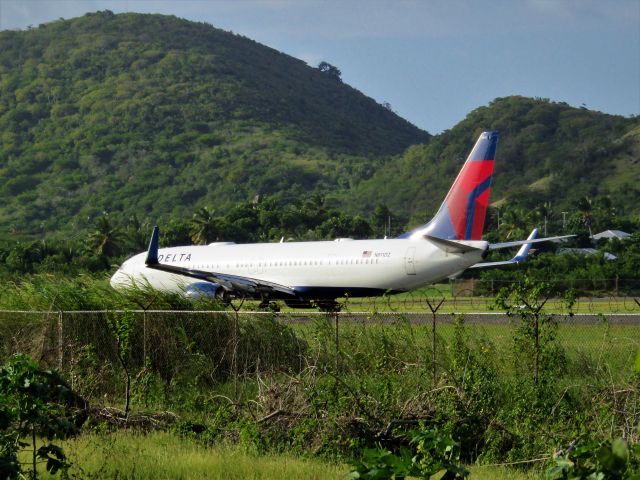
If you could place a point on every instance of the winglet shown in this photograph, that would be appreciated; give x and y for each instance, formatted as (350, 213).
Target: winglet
(152, 253)
(524, 249)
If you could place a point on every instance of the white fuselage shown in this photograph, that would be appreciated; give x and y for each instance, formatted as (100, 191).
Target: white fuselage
(324, 269)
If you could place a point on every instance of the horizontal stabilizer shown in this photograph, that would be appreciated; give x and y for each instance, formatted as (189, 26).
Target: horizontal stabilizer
(521, 256)
(450, 246)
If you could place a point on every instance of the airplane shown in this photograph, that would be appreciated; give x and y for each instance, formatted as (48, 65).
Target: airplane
(306, 274)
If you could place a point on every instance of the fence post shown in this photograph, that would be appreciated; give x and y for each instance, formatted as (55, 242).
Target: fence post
(434, 310)
(144, 337)
(337, 318)
(234, 358)
(60, 341)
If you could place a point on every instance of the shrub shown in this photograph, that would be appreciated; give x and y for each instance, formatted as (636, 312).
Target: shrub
(33, 403)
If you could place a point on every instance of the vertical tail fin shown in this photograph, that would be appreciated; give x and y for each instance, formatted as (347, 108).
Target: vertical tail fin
(461, 216)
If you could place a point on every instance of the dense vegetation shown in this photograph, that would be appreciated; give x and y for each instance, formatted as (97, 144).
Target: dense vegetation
(111, 239)
(392, 395)
(154, 115)
(157, 117)
(113, 123)
(549, 154)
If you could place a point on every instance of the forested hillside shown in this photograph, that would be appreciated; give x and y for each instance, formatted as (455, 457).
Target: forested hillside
(159, 116)
(548, 154)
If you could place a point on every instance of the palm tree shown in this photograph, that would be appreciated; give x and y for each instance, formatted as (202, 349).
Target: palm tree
(106, 239)
(203, 227)
(542, 214)
(137, 233)
(514, 222)
(605, 212)
(585, 206)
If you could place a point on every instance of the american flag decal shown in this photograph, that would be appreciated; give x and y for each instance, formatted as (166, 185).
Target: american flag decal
(366, 254)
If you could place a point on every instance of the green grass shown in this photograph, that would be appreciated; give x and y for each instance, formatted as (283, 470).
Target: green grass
(164, 455)
(504, 473)
(593, 350)
(385, 366)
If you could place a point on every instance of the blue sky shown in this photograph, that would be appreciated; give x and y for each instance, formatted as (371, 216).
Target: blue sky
(433, 60)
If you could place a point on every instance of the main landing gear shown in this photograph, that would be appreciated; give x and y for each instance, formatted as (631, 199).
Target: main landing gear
(328, 306)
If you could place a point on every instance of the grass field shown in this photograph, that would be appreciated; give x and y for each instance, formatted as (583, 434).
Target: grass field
(601, 348)
(232, 374)
(164, 455)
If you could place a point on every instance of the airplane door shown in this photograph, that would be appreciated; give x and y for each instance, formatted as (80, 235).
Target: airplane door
(410, 261)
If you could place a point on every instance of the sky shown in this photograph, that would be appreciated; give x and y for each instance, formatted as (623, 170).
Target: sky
(433, 61)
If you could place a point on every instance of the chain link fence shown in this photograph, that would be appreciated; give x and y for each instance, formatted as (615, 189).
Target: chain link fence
(221, 350)
(613, 295)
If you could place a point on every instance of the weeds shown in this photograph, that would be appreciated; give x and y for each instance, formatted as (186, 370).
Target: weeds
(502, 392)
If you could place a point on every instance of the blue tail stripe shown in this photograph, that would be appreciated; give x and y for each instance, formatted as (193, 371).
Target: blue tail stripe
(471, 205)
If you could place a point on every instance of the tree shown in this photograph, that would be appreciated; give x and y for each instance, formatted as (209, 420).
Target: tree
(106, 239)
(513, 222)
(137, 233)
(586, 208)
(326, 67)
(536, 333)
(121, 326)
(381, 220)
(203, 227)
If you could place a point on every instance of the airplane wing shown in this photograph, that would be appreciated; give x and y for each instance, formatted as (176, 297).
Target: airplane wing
(498, 246)
(520, 256)
(228, 282)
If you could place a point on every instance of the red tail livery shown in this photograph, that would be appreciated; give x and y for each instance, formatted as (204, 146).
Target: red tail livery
(461, 216)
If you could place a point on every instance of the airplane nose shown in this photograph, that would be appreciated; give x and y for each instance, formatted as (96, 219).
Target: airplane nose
(118, 279)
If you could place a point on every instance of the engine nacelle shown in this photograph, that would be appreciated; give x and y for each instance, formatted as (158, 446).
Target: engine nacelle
(199, 290)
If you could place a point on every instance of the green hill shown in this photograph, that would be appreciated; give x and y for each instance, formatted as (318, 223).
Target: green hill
(156, 115)
(548, 153)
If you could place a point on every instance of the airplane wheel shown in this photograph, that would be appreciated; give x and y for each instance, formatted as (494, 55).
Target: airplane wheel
(223, 296)
(328, 306)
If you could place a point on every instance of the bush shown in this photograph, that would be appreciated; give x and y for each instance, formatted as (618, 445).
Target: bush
(33, 403)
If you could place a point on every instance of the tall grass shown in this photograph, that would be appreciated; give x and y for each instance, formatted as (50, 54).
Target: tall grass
(164, 455)
(275, 384)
